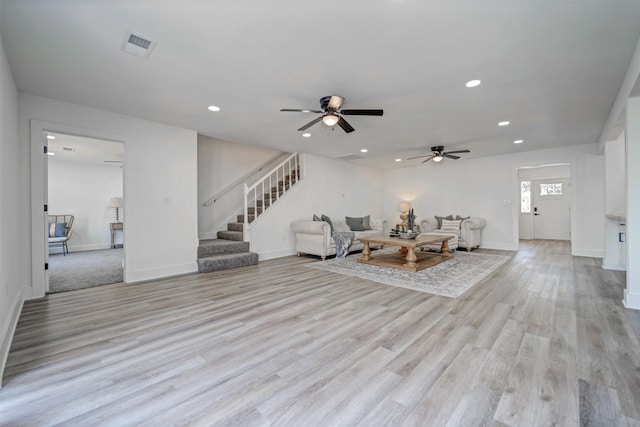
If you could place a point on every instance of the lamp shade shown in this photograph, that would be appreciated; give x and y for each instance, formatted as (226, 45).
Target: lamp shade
(115, 202)
(404, 207)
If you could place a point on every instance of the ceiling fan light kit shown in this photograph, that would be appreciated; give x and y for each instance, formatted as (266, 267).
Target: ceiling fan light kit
(438, 154)
(332, 115)
(330, 119)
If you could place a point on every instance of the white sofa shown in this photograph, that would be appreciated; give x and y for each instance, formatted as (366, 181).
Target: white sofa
(469, 235)
(314, 237)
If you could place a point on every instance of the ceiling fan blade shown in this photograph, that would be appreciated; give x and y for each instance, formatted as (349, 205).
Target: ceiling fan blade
(311, 123)
(345, 126)
(335, 102)
(362, 112)
(425, 161)
(301, 111)
(450, 156)
(418, 157)
(459, 151)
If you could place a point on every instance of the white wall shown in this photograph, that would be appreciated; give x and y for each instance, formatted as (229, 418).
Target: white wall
(544, 172)
(615, 176)
(488, 188)
(332, 187)
(220, 164)
(83, 190)
(632, 136)
(160, 182)
(15, 254)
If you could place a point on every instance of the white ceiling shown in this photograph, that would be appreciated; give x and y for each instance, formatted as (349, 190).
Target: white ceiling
(552, 68)
(86, 150)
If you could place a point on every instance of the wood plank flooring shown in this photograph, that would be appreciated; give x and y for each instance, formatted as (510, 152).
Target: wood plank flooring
(544, 341)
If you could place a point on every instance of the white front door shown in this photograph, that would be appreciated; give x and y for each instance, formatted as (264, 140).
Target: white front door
(551, 209)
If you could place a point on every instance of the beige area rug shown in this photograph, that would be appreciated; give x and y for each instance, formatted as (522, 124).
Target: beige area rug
(451, 278)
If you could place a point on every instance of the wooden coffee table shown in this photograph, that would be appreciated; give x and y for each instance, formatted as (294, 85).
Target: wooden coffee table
(406, 258)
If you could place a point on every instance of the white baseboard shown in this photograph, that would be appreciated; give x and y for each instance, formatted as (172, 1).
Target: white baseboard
(263, 256)
(160, 272)
(591, 253)
(81, 248)
(8, 330)
(91, 247)
(208, 235)
(609, 265)
(631, 300)
(501, 246)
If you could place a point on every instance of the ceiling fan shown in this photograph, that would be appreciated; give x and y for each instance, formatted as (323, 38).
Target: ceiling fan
(438, 153)
(332, 115)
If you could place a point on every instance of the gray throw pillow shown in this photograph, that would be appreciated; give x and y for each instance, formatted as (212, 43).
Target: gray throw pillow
(366, 222)
(440, 218)
(327, 220)
(57, 229)
(461, 218)
(355, 224)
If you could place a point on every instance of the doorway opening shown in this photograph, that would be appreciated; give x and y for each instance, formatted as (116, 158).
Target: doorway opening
(545, 202)
(84, 192)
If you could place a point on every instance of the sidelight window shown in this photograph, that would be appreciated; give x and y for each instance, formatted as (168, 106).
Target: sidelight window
(525, 197)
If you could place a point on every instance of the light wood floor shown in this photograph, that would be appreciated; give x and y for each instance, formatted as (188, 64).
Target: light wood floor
(545, 341)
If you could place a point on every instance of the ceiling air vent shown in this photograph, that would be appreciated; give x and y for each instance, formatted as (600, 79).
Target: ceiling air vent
(138, 45)
(349, 157)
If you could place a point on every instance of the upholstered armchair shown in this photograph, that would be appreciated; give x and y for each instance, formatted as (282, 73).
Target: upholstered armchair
(469, 234)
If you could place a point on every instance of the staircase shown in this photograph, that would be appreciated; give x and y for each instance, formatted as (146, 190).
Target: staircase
(230, 250)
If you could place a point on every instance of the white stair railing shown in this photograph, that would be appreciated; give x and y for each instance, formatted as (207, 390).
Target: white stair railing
(268, 190)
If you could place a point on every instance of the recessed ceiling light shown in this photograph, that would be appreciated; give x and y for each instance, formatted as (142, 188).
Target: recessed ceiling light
(306, 111)
(214, 108)
(364, 150)
(504, 123)
(473, 83)
(51, 153)
(398, 160)
(306, 135)
(518, 141)
(51, 137)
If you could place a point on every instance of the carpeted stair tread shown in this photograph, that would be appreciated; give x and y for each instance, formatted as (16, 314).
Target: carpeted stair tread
(226, 262)
(213, 247)
(231, 235)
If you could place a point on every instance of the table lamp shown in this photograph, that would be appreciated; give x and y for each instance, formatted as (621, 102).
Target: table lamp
(116, 202)
(404, 208)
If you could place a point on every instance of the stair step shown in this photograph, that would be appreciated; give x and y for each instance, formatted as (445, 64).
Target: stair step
(235, 226)
(226, 262)
(240, 218)
(211, 247)
(231, 235)
(252, 210)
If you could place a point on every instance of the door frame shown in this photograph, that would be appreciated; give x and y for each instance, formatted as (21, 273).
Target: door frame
(39, 192)
(572, 203)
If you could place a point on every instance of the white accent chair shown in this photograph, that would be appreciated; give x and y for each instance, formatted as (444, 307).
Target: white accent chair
(469, 235)
(59, 230)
